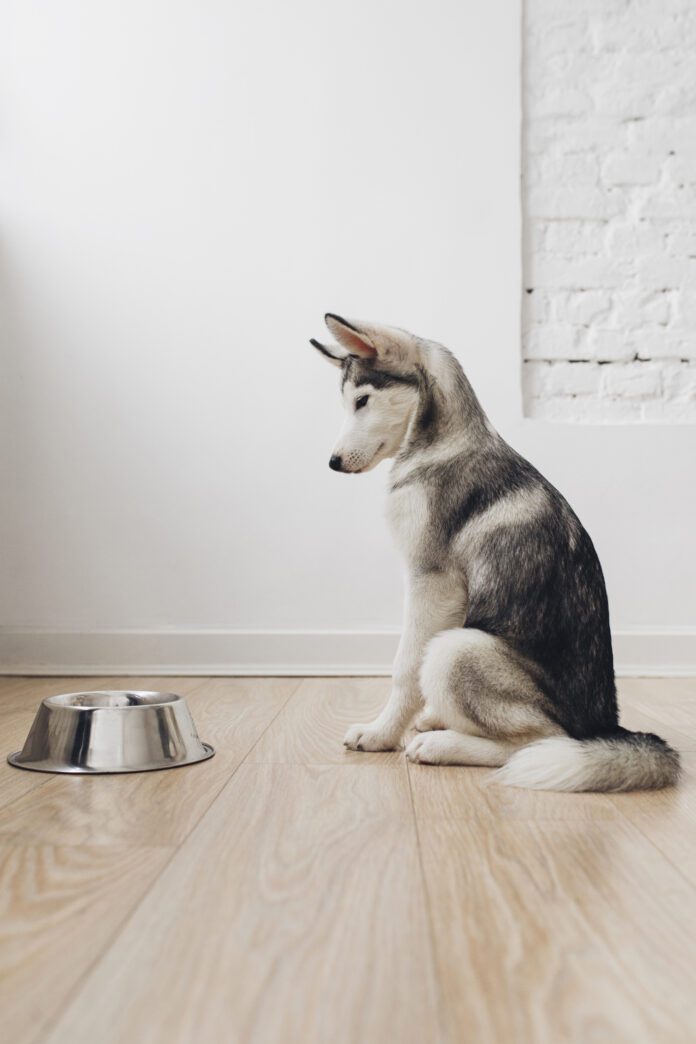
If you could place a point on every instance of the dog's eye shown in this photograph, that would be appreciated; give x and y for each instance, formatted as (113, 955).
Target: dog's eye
(362, 401)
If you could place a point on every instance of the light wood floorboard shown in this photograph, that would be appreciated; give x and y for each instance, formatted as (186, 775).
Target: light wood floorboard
(289, 891)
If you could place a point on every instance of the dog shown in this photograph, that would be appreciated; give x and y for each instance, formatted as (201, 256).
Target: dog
(506, 648)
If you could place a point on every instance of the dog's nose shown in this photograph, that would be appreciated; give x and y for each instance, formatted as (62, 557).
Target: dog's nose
(336, 464)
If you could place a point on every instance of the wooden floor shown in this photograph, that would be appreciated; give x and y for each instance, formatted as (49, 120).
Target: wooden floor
(287, 891)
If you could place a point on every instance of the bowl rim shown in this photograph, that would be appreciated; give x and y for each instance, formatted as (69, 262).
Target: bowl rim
(60, 768)
(59, 700)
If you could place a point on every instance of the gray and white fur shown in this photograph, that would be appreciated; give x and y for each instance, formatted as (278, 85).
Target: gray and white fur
(506, 650)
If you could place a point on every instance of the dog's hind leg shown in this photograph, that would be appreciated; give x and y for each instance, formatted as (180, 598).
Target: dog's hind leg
(447, 747)
(427, 722)
(484, 697)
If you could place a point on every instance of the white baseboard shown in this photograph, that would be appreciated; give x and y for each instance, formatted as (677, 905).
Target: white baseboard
(203, 652)
(638, 652)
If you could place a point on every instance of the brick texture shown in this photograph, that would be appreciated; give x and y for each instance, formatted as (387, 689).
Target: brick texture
(609, 193)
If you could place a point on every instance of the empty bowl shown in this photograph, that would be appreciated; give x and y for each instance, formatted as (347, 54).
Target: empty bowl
(114, 731)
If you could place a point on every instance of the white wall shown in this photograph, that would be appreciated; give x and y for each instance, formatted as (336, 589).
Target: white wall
(187, 188)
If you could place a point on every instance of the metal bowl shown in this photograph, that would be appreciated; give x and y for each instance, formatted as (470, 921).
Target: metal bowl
(114, 731)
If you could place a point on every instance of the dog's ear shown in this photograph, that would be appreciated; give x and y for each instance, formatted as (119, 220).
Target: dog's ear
(353, 339)
(367, 341)
(332, 353)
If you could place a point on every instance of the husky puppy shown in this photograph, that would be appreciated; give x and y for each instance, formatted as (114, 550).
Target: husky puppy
(506, 644)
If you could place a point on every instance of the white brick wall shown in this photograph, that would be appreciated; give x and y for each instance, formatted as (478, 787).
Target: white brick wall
(609, 191)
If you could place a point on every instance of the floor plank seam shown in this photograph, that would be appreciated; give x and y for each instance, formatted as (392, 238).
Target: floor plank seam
(440, 1000)
(133, 910)
(51, 1023)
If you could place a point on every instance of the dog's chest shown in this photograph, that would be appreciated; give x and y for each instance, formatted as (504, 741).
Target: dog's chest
(407, 515)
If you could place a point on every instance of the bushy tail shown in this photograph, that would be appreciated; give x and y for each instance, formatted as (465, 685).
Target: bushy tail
(621, 761)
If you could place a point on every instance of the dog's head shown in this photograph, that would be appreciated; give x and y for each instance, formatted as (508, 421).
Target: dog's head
(380, 388)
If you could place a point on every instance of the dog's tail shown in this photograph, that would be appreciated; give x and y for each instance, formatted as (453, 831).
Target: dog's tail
(620, 761)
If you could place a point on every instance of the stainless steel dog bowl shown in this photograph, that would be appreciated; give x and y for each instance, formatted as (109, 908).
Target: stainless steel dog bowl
(114, 731)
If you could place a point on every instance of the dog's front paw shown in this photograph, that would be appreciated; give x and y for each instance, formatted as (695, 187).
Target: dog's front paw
(369, 737)
(428, 748)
